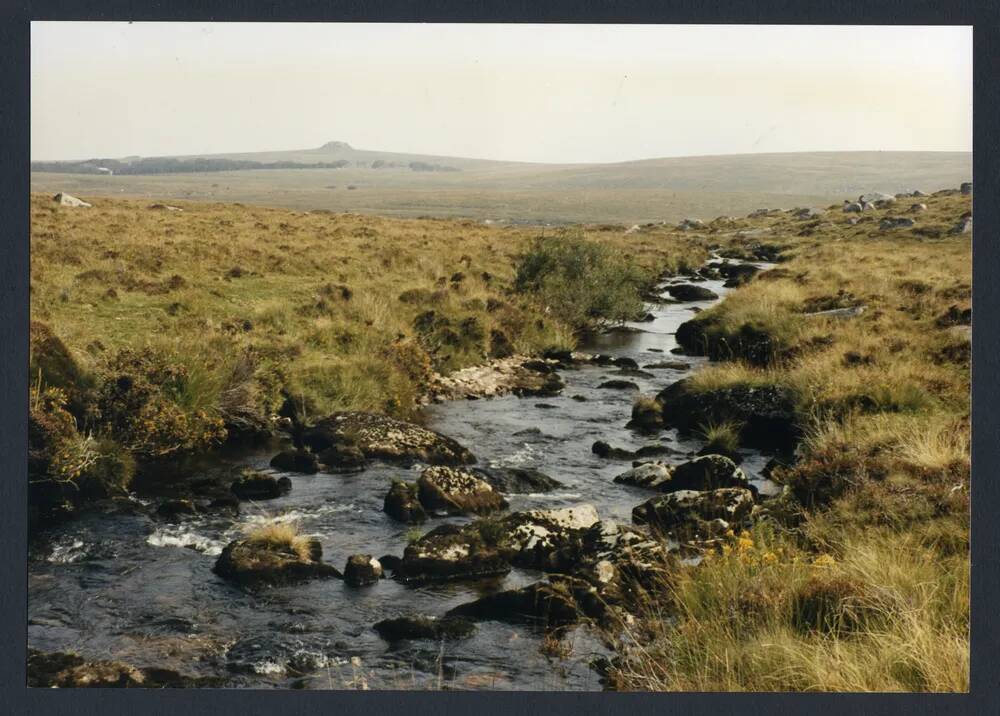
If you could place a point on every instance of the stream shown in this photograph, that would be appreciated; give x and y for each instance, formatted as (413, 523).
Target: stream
(115, 583)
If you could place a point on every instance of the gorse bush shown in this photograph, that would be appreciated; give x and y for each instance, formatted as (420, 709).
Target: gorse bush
(580, 282)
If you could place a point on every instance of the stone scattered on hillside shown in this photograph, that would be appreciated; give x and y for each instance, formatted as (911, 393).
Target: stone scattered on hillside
(895, 222)
(689, 224)
(64, 199)
(964, 226)
(878, 199)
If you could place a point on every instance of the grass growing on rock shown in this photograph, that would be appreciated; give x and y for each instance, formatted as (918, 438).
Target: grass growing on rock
(280, 537)
(860, 579)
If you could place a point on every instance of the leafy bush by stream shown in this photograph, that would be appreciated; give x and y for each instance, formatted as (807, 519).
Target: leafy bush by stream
(580, 282)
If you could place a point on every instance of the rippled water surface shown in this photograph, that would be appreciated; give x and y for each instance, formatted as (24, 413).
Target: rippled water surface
(116, 583)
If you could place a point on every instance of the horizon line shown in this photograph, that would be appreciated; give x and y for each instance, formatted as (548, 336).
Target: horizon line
(523, 161)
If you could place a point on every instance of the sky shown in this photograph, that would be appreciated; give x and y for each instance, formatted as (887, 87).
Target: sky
(543, 93)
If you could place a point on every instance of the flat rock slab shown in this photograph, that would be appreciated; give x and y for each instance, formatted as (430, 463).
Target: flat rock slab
(380, 437)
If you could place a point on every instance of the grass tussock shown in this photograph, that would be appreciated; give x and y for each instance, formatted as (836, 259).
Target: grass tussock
(875, 612)
(280, 537)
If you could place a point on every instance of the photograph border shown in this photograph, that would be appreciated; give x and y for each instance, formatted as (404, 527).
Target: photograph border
(16, 698)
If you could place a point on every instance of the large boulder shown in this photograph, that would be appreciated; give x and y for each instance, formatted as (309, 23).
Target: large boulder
(517, 480)
(362, 570)
(691, 514)
(295, 461)
(253, 485)
(551, 604)
(537, 539)
(380, 437)
(402, 504)
(650, 475)
(708, 472)
(737, 274)
(518, 375)
(690, 292)
(251, 562)
(604, 450)
(176, 510)
(457, 492)
(450, 553)
(421, 627)
(766, 413)
(645, 416)
(343, 458)
(966, 187)
(618, 384)
(616, 558)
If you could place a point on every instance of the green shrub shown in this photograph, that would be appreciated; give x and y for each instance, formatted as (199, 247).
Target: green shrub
(580, 282)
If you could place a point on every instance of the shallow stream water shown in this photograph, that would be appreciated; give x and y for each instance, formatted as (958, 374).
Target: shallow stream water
(118, 584)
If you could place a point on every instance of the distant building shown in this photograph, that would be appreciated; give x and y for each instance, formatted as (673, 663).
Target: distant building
(105, 170)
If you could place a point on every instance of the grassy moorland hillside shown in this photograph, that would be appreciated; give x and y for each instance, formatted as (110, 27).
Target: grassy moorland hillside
(221, 313)
(629, 192)
(857, 578)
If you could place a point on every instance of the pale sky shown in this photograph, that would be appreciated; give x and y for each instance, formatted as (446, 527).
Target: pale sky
(549, 93)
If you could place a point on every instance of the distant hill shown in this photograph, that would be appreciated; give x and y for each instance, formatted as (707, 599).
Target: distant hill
(336, 176)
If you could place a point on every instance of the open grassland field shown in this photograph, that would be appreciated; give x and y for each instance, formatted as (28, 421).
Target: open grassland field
(321, 306)
(158, 332)
(626, 192)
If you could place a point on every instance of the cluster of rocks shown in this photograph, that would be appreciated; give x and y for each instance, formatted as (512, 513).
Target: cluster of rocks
(443, 491)
(519, 375)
